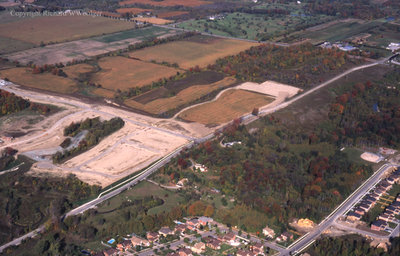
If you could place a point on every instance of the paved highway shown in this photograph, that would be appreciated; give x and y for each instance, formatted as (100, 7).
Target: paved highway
(309, 238)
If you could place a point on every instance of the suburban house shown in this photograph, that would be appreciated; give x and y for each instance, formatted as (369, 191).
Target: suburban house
(204, 220)
(152, 236)
(245, 253)
(365, 206)
(199, 248)
(200, 167)
(284, 237)
(124, 245)
(165, 231)
(180, 228)
(139, 241)
(353, 216)
(258, 248)
(213, 243)
(194, 222)
(182, 182)
(378, 225)
(185, 252)
(110, 252)
(229, 238)
(359, 211)
(268, 232)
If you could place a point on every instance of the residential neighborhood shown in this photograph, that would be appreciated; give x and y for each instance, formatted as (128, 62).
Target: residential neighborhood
(195, 236)
(378, 198)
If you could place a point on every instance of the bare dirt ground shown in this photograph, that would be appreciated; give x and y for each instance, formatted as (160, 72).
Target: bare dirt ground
(140, 142)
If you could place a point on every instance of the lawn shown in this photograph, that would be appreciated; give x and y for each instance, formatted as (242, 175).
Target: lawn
(188, 95)
(124, 73)
(47, 28)
(230, 105)
(44, 81)
(198, 50)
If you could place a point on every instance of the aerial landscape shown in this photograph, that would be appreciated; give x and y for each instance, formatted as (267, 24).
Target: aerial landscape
(200, 127)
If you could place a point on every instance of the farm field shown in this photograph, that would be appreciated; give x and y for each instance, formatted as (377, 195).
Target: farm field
(188, 3)
(44, 81)
(47, 28)
(166, 15)
(124, 73)
(86, 48)
(198, 50)
(153, 20)
(132, 10)
(257, 26)
(75, 71)
(230, 105)
(186, 96)
(8, 45)
(341, 31)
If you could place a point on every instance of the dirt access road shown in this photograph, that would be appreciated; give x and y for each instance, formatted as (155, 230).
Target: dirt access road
(140, 142)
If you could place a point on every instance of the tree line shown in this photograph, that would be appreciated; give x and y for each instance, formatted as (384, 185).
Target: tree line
(97, 130)
(11, 103)
(300, 65)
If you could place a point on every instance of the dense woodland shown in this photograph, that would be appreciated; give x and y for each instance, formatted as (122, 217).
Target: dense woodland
(11, 103)
(366, 115)
(351, 245)
(97, 130)
(301, 65)
(27, 201)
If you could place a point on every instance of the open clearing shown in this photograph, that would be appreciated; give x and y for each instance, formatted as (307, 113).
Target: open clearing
(198, 50)
(47, 28)
(189, 3)
(44, 81)
(125, 152)
(86, 48)
(124, 73)
(231, 104)
(188, 95)
(270, 88)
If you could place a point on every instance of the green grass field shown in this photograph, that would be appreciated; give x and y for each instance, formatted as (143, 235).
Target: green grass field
(257, 26)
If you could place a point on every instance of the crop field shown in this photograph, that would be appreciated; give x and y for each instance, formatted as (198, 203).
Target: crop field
(8, 45)
(124, 73)
(341, 30)
(198, 50)
(75, 71)
(153, 20)
(85, 48)
(230, 105)
(137, 34)
(188, 3)
(185, 96)
(165, 15)
(132, 10)
(256, 26)
(44, 81)
(47, 28)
